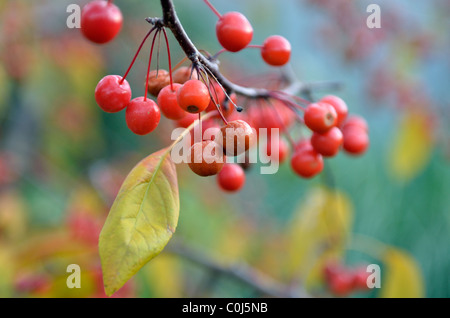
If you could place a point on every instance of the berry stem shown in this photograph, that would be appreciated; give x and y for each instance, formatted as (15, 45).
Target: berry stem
(136, 55)
(254, 46)
(168, 57)
(149, 64)
(213, 9)
(180, 63)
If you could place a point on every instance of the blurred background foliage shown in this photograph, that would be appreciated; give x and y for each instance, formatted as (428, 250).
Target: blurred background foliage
(62, 159)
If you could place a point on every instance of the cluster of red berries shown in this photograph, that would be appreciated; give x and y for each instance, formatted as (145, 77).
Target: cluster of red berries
(182, 94)
(342, 280)
(332, 130)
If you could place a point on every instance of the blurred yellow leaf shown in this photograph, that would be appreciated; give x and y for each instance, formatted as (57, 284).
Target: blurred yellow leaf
(318, 231)
(402, 278)
(12, 215)
(164, 277)
(411, 146)
(141, 221)
(6, 272)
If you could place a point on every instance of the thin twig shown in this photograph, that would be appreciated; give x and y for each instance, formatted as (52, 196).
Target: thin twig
(170, 20)
(243, 273)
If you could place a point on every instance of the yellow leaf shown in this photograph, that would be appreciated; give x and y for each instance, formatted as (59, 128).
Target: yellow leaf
(6, 272)
(402, 278)
(12, 215)
(318, 231)
(141, 221)
(411, 146)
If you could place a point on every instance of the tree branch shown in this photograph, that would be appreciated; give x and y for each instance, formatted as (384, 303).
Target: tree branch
(241, 272)
(172, 22)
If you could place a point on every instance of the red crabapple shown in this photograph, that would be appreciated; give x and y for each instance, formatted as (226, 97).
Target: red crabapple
(101, 21)
(328, 143)
(320, 117)
(193, 96)
(233, 31)
(111, 94)
(356, 140)
(306, 162)
(231, 178)
(339, 105)
(238, 137)
(167, 102)
(142, 116)
(206, 158)
(276, 50)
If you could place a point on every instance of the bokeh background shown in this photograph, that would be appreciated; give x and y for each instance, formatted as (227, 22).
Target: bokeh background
(62, 159)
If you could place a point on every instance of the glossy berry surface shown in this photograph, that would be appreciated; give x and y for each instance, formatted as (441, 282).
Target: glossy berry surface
(168, 104)
(205, 158)
(356, 140)
(306, 162)
(328, 143)
(339, 106)
(142, 116)
(111, 95)
(320, 117)
(231, 178)
(234, 31)
(276, 50)
(193, 96)
(101, 21)
(238, 137)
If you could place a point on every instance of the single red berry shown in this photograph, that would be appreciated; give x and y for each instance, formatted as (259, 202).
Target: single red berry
(356, 140)
(276, 50)
(206, 158)
(356, 121)
(328, 143)
(360, 276)
(111, 94)
(306, 162)
(233, 31)
(320, 117)
(238, 137)
(341, 284)
(101, 21)
(339, 106)
(142, 116)
(279, 147)
(193, 96)
(167, 102)
(231, 178)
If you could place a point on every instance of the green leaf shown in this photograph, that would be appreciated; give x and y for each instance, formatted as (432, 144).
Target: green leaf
(141, 221)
